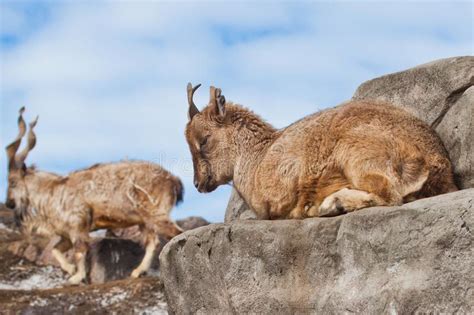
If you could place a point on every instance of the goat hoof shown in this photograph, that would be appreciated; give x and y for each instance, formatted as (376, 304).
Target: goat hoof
(75, 280)
(70, 269)
(136, 274)
(331, 207)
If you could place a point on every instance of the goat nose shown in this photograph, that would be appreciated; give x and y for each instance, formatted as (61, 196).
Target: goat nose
(10, 204)
(196, 183)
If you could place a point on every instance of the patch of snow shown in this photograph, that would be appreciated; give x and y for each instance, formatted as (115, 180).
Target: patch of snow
(45, 278)
(39, 302)
(159, 309)
(98, 234)
(4, 227)
(112, 298)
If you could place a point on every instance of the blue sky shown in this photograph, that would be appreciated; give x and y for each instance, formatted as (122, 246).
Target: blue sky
(108, 79)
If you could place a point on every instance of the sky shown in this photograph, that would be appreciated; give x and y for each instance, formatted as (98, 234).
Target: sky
(108, 79)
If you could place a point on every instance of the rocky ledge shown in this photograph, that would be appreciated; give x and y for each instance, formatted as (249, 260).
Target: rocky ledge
(413, 258)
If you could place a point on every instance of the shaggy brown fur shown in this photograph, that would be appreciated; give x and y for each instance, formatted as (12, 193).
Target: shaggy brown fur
(356, 155)
(106, 196)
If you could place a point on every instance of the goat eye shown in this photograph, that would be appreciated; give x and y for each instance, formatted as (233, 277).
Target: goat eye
(204, 141)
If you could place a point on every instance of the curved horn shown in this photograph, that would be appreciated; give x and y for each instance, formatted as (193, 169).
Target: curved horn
(13, 147)
(21, 157)
(193, 110)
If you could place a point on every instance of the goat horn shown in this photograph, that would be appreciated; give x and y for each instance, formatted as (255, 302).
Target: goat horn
(21, 157)
(193, 110)
(13, 147)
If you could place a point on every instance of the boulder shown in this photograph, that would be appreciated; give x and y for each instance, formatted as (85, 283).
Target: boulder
(114, 258)
(190, 223)
(441, 94)
(415, 258)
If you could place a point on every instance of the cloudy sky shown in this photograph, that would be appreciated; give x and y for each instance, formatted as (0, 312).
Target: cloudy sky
(108, 79)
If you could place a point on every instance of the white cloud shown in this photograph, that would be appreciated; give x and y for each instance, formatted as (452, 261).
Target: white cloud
(108, 78)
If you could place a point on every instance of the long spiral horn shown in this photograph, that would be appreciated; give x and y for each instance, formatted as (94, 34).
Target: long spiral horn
(21, 157)
(12, 148)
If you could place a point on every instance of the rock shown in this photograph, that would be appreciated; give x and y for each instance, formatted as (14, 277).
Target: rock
(439, 93)
(457, 131)
(113, 259)
(415, 258)
(237, 209)
(190, 223)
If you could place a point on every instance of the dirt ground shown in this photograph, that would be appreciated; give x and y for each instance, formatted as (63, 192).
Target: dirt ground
(29, 289)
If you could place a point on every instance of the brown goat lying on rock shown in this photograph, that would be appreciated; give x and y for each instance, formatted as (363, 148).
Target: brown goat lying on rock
(356, 155)
(104, 196)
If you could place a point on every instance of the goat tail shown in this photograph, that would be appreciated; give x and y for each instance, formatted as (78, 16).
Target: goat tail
(179, 191)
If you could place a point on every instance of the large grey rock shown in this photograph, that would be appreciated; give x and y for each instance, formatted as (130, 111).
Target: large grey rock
(439, 93)
(415, 258)
(190, 223)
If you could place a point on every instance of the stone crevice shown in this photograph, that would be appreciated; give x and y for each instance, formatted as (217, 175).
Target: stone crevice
(452, 98)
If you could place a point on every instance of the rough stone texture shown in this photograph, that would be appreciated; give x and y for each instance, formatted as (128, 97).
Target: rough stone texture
(237, 209)
(191, 223)
(457, 131)
(418, 257)
(439, 93)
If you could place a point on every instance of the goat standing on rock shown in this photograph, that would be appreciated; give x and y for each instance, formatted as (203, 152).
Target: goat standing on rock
(339, 160)
(104, 196)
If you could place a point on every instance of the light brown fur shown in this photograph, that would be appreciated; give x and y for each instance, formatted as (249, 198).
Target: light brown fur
(104, 196)
(356, 155)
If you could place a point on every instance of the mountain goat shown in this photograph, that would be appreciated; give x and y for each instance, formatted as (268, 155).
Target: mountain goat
(339, 160)
(104, 196)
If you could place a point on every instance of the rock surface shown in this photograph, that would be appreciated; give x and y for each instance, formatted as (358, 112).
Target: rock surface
(415, 258)
(440, 93)
(190, 223)
(237, 209)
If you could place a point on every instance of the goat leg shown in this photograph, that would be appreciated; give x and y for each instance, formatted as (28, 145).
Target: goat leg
(151, 243)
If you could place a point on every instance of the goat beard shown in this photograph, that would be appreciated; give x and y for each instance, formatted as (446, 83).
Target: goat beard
(20, 214)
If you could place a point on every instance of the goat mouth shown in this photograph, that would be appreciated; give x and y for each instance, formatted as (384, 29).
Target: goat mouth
(207, 188)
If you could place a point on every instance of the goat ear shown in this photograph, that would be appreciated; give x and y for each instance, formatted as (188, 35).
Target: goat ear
(218, 101)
